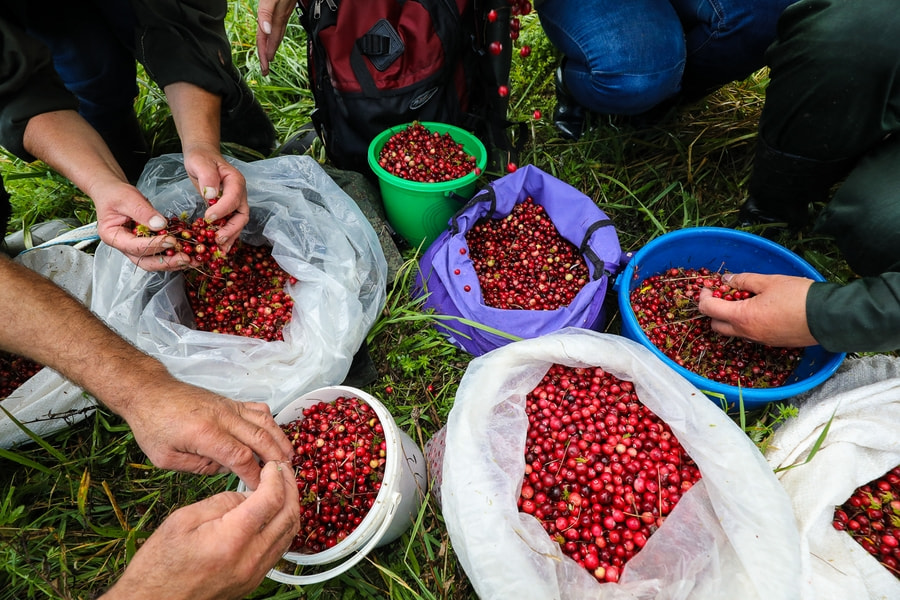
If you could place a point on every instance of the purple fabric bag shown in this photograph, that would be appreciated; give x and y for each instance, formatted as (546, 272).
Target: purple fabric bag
(578, 220)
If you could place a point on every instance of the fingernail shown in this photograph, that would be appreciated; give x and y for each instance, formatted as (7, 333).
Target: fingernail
(168, 245)
(221, 240)
(266, 27)
(156, 222)
(727, 277)
(213, 217)
(209, 193)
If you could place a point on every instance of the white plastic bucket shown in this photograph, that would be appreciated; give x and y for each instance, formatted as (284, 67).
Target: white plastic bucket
(395, 506)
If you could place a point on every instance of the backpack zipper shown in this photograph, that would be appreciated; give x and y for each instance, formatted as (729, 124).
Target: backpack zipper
(317, 7)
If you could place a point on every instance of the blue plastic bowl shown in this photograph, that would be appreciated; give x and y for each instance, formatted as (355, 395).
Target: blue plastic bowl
(722, 249)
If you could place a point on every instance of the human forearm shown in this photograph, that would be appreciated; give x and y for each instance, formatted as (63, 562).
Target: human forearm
(196, 113)
(43, 322)
(66, 142)
(179, 426)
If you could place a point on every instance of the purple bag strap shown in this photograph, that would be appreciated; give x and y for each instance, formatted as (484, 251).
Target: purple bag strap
(588, 252)
(476, 199)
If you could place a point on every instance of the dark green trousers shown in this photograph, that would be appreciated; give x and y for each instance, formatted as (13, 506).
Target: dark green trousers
(832, 118)
(832, 114)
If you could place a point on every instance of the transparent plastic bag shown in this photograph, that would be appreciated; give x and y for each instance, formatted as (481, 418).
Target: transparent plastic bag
(732, 535)
(860, 406)
(48, 402)
(318, 234)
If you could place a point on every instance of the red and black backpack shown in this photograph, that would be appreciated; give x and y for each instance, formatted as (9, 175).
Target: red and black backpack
(374, 64)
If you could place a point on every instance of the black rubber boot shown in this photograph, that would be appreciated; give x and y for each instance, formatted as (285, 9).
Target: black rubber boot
(300, 142)
(568, 116)
(783, 186)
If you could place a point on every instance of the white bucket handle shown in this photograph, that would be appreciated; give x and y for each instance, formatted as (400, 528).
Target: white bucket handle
(282, 577)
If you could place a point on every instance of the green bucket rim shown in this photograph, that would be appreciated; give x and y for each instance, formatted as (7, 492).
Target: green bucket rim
(455, 132)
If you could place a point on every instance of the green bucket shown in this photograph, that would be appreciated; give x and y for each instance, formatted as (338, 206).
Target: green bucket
(420, 211)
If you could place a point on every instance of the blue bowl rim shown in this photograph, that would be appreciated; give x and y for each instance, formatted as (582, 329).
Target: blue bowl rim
(708, 386)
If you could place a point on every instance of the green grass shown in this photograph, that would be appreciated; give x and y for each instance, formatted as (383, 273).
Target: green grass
(73, 509)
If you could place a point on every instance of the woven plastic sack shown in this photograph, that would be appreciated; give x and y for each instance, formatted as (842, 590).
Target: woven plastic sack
(445, 269)
(317, 233)
(860, 406)
(732, 535)
(48, 402)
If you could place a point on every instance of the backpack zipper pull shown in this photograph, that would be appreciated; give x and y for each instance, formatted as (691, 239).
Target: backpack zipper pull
(317, 7)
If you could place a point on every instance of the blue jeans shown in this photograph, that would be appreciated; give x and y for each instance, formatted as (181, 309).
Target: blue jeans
(627, 57)
(92, 47)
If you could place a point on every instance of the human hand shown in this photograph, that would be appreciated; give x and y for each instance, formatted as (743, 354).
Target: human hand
(187, 428)
(219, 181)
(119, 206)
(218, 548)
(272, 19)
(775, 315)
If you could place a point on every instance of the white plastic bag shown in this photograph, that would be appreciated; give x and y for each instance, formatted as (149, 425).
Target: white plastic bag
(862, 403)
(317, 234)
(732, 535)
(47, 402)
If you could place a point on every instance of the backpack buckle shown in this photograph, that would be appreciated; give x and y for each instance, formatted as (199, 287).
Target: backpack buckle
(381, 44)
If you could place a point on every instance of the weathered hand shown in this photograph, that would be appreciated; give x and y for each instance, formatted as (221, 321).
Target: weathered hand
(217, 179)
(218, 548)
(186, 428)
(272, 19)
(775, 315)
(120, 205)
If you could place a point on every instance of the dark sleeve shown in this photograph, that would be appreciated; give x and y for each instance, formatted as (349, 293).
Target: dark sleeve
(29, 85)
(862, 316)
(184, 41)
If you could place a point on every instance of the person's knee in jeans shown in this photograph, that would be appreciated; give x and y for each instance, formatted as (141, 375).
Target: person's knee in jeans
(618, 58)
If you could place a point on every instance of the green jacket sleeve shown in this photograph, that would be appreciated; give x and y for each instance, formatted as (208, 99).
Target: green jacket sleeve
(29, 85)
(861, 316)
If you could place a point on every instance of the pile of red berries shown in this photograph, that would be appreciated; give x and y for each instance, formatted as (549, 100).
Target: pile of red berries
(419, 154)
(339, 466)
(523, 262)
(871, 515)
(602, 471)
(195, 238)
(241, 293)
(14, 371)
(665, 306)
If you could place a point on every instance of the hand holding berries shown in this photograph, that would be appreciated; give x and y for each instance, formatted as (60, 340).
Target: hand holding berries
(666, 308)
(240, 291)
